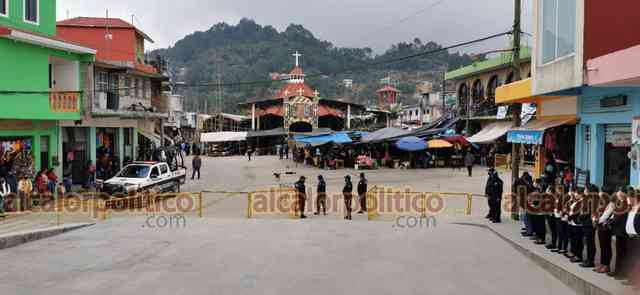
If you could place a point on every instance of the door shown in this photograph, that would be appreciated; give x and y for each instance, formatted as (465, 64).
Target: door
(617, 166)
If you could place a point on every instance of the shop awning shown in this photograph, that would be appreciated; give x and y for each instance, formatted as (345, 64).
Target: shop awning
(267, 133)
(223, 136)
(339, 138)
(411, 144)
(384, 134)
(518, 92)
(491, 133)
(533, 132)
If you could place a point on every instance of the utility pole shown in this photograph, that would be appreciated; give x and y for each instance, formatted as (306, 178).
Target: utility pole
(444, 93)
(517, 107)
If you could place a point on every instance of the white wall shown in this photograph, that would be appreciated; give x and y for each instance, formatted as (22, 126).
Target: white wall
(564, 73)
(66, 74)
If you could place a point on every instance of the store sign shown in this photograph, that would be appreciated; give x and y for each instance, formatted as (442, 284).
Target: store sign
(614, 101)
(619, 135)
(635, 136)
(502, 112)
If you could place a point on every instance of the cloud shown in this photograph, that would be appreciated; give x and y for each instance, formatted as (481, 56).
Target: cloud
(353, 23)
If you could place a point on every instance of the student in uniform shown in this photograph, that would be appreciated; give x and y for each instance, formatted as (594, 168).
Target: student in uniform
(618, 225)
(575, 227)
(562, 222)
(587, 215)
(604, 231)
(321, 200)
(347, 191)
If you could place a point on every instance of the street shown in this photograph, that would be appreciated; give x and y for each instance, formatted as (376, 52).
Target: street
(229, 254)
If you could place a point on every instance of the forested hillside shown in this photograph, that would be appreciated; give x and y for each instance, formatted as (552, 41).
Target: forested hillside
(251, 52)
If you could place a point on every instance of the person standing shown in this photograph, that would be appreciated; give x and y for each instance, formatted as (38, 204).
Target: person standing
(301, 190)
(5, 191)
(25, 188)
(196, 164)
(586, 215)
(362, 193)
(493, 191)
(321, 200)
(575, 227)
(53, 180)
(286, 150)
(619, 224)
(605, 234)
(249, 153)
(562, 222)
(347, 191)
(469, 159)
(279, 150)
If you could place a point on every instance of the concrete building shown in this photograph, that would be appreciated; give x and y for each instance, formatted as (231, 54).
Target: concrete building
(40, 85)
(125, 101)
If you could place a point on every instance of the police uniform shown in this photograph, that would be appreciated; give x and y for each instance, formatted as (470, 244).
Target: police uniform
(493, 191)
(347, 191)
(362, 194)
(321, 200)
(302, 195)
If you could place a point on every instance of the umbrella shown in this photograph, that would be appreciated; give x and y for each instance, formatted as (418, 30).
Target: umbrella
(411, 144)
(457, 139)
(439, 144)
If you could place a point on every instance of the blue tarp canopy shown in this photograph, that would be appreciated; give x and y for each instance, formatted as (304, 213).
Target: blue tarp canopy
(533, 132)
(411, 144)
(339, 138)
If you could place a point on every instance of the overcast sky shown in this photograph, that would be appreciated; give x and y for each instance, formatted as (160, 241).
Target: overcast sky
(353, 23)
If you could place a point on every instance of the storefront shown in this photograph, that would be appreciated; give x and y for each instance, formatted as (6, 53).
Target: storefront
(28, 146)
(604, 135)
(552, 132)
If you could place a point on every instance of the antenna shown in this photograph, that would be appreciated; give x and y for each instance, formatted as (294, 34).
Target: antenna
(68, 14)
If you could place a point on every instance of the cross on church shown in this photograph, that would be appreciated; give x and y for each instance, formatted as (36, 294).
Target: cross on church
(297, 55)
(300, 92)
(316, 93)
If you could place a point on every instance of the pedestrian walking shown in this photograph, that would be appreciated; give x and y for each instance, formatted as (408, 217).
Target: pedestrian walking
(469, 159)
(286, 151)
(347, 191)
(280, 151)
(301, 190)
(493, 191)
(321, 200)
(196, 164)
(362, 193)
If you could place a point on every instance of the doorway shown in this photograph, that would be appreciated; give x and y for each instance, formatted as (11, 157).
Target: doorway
(617, 166)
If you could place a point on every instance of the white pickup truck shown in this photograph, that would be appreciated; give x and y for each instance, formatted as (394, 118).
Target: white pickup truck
(145, 176)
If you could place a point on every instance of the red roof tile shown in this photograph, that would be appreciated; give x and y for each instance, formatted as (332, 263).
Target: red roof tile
(292, 89)
(388, 88)
(100, 22)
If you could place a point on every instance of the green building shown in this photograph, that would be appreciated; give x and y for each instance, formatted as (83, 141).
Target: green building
(41, 83)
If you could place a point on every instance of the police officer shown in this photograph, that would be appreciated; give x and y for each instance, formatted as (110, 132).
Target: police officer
(362, 193)
(493, 191)
(321, 200)
(347, 191)
(302, 195)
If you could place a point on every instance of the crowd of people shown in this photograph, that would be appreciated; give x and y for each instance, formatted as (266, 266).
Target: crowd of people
(573, 221)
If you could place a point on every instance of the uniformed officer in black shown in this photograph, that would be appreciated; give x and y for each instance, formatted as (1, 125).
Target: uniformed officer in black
(493, 191)
(321, 200)
(302, 195)
(362, 193)
(348, 197)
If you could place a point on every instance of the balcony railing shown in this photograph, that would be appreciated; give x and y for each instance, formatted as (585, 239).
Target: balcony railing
(64, 102)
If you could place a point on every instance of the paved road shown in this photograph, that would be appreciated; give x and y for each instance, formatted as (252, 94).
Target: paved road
(225, 253)
(232, 256)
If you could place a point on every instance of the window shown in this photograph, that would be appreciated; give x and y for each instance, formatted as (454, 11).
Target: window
(558, 29)
(163, 169)
(103, 82)
(31, 10)
(154, 172)
(4, 7)
(127, 85)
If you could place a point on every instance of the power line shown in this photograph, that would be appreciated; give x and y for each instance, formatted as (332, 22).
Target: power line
(262, 82)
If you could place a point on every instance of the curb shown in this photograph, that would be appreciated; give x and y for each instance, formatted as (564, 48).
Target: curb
(573, 281)
(18, 238)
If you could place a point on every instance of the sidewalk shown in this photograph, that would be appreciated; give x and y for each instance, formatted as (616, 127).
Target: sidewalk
(582, 280)
(15, 238)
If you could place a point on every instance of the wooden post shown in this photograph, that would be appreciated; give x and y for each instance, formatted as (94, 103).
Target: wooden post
(200, 205)
(469, 203)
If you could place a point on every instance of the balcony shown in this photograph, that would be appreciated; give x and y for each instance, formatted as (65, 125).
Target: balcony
(64, 102)
(111, 104)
